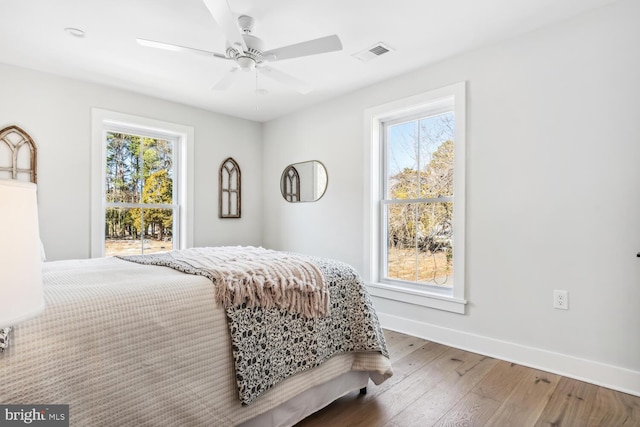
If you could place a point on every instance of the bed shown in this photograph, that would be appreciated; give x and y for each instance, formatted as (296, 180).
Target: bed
(129, 344)
(147, 341)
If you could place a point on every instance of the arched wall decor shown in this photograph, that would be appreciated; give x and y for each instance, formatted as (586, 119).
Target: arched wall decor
(291, 184)
(14, 141)
(229, 189)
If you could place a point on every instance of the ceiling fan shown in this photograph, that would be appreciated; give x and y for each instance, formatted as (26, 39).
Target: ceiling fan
(248, 51)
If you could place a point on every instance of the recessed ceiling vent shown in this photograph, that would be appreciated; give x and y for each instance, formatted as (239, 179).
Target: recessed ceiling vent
(374, 51)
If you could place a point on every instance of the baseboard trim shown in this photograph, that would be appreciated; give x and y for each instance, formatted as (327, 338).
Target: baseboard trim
(609, 376)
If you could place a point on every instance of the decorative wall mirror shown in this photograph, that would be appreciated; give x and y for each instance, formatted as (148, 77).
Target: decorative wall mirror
(229, 190)
(304, 181)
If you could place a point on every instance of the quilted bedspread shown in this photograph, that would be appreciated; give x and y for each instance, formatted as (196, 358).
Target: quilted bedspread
(272, 344)
(129, 344)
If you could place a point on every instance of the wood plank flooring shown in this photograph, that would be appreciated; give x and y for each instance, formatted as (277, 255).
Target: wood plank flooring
(436, 385)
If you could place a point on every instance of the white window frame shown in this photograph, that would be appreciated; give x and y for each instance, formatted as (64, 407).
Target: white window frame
(103, 121)
(452, 299)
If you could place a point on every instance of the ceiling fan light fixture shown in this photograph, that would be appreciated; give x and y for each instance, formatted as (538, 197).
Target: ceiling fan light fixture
(245, 63)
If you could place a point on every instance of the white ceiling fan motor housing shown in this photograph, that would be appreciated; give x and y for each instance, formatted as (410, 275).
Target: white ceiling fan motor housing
(248, 59)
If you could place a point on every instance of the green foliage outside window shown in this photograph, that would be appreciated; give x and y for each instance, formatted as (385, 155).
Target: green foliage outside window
(138, 172)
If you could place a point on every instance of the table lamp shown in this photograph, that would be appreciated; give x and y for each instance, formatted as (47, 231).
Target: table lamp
(21, 290)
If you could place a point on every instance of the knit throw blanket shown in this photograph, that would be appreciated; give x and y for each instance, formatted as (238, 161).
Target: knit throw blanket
(256, 277)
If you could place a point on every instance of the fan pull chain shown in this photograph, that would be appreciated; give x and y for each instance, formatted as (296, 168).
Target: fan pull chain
(256, 92)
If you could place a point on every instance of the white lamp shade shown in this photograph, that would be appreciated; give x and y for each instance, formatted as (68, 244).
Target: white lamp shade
(21, 290)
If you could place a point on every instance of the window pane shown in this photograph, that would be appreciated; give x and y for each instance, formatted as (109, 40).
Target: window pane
(123, 168)
(124, 226)
(158, 188)
(157, 171)
(419, 243)
(402, 160)
(401, 242)
(158, 230)
(121, 232)
(419, 160)
(436, 136)
(435, 243)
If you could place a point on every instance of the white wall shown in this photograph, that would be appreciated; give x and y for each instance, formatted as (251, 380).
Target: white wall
(56, 112)
(553, 202)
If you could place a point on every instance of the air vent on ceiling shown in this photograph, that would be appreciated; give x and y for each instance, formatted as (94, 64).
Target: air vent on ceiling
(373, 52)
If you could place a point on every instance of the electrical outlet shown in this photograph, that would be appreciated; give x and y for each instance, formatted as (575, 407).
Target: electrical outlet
(561, 300)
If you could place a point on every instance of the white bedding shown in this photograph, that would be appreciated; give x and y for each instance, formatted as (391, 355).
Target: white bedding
(130, 344)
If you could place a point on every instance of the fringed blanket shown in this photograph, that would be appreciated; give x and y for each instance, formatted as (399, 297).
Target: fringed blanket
(256, 277)
(272, 343)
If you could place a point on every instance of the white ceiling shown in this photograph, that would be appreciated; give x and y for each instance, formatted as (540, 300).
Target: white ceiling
(421, 32)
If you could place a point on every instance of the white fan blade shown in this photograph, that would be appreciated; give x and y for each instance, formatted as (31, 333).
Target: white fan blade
(177, 48)
(286, 79)
(311, 47)
(226, 82)
(227, 21)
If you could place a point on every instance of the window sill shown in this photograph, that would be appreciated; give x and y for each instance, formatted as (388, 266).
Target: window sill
(416, 297)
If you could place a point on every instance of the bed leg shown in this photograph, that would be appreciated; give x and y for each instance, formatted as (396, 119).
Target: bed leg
(363, 390)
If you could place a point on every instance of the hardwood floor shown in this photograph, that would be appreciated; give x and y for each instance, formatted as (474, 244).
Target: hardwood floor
(436, 385)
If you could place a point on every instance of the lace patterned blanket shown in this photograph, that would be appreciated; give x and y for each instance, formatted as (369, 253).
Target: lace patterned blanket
(269, 344)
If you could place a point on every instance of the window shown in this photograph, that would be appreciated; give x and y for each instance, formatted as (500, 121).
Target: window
(140, 201)
(416, 199)
(140, 187)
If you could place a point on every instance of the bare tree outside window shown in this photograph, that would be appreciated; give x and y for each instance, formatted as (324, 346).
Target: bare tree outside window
(418, 205)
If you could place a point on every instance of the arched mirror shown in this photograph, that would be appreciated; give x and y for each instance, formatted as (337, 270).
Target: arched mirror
(304, 182)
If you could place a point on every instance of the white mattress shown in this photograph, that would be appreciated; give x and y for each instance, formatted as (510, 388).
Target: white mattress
(127, 344)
